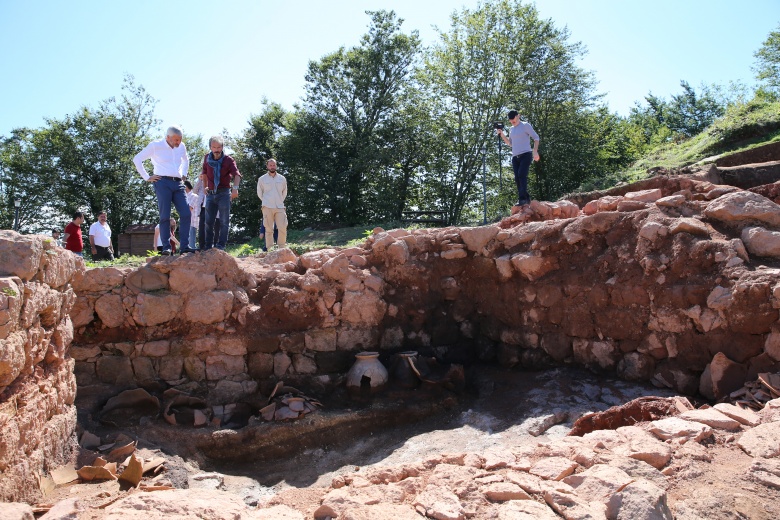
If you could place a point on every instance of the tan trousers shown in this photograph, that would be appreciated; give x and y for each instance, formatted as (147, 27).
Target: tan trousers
(276, 216)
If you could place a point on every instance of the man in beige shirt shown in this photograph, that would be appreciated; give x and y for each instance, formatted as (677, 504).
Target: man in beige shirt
(272, 190)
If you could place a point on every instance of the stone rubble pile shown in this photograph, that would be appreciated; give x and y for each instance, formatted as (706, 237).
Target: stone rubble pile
(755, 394)
(287, 404)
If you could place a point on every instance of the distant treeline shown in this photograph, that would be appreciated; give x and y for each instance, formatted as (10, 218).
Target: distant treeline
(383, 127)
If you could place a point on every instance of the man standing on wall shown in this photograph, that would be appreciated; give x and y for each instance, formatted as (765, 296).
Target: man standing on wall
(100, 239)
(171, 165)
(272, 190)
(221, 178)
(520, 136)
(72, 238)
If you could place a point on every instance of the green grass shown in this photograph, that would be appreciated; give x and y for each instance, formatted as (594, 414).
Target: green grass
(122, 261)
(299, 241)
(303, 241)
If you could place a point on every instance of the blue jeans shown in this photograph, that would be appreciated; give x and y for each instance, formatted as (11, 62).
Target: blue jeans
(217, 202)
(170, 190)
(193, 232)
(521, 164)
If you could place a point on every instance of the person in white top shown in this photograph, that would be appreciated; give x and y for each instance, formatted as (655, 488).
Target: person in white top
(100, 239)
(193, 201)
(272, 190)
(171, 167)
(173, 243)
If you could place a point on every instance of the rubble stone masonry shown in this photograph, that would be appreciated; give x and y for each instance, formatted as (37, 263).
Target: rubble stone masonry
(37, 382)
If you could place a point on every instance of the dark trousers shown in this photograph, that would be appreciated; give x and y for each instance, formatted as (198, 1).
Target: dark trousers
(521, 164)
(202, 230)
(218, 202)
(103, 253)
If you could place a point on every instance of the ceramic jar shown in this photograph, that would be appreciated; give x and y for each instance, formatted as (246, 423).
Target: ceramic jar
(401, 371)
(368, 374)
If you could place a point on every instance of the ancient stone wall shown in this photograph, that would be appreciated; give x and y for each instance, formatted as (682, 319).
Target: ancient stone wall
(37, 384)
(673, 285)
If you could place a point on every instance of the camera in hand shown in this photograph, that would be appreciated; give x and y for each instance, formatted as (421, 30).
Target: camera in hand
(498, 125)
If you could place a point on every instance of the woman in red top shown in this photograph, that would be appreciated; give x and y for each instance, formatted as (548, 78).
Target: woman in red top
(73, 240)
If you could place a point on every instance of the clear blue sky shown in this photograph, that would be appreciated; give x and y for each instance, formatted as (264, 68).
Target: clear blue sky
(210, 63)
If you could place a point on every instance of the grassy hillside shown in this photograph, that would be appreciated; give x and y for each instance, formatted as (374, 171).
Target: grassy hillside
(743, 127)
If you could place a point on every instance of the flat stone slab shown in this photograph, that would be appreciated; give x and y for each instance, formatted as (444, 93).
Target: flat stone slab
(745, 416)
(642, 445)
(711, 417)
(598, 483)
(553, 468)
(766, 472)
(762, 441)
(676, 428)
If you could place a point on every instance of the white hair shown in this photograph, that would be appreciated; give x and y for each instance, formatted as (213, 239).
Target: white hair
(217, 139)
(174, 130)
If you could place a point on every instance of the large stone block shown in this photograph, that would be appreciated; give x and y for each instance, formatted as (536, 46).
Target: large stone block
(742, 207)
(534, 265)
(222, 366)
(20, 255)
(261, 365)
(99, 280)
(114, 370)
(170, 368)
(362, 308)
(195, 368)
(321, 340)
(41, 303)
(11, 299)
(12, 357)
(477, 238)
(151, 309)
(110, 310)
(208, 307)
(145, 279)
(190, 280)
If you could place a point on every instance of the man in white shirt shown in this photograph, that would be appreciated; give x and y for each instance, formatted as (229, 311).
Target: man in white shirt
(272, 190)
(171, 166)
(100, 239)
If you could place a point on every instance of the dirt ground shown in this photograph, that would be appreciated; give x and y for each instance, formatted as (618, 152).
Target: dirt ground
(505, 409)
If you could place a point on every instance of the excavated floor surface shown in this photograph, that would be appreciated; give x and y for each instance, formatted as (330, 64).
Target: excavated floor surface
(505, 408)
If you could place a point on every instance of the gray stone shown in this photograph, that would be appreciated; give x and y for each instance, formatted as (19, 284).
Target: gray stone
(640, 500)
(114, 370)
(761, 441)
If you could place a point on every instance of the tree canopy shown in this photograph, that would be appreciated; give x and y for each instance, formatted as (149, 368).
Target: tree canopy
(384, 126)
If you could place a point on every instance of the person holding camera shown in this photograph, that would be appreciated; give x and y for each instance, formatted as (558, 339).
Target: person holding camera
(520, 136)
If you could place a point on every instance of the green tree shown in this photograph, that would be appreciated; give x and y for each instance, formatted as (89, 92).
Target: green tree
(258, 143)
(690, 112)
(24, 177)
(767, 67)
(84, 162)
(352, 99)
(499, 56)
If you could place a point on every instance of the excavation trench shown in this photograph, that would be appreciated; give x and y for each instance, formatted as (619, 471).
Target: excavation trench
(666, 286)
(498, 408)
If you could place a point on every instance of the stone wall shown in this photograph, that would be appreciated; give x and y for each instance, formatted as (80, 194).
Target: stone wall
(673, 285)
(37, 384)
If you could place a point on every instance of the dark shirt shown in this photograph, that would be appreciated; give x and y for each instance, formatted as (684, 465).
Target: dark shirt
(74, 243)
(226, 173)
